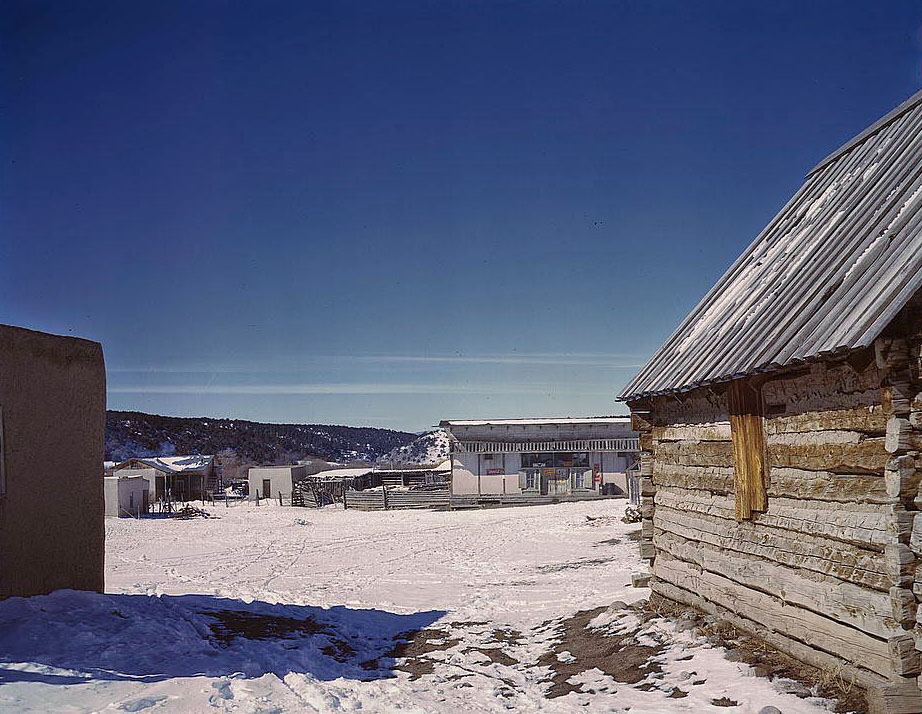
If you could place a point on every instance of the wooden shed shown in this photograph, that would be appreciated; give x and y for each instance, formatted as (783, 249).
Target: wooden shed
(781, 426)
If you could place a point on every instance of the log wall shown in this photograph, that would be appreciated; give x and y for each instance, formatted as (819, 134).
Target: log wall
(830, 566)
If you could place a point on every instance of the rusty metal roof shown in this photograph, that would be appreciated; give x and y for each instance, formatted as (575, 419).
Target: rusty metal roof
(826, 275)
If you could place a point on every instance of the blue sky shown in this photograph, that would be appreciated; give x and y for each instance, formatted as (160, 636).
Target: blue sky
(392, 213)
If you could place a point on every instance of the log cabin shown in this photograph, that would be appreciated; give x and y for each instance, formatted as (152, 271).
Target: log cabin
(781, 426)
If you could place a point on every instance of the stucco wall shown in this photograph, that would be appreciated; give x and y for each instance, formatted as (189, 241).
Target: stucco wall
(53, 401)
(150, 475)
(124, 495)
(282, 478)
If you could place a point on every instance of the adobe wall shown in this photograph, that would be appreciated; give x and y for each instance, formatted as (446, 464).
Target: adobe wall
(53, 401)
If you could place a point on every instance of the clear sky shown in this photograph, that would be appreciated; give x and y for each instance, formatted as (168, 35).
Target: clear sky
(389, 213)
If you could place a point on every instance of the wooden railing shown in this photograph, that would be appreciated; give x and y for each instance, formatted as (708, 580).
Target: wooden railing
(492, 447)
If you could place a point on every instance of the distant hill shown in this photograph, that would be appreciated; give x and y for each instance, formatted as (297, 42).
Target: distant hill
(430, 449)
(131, 434)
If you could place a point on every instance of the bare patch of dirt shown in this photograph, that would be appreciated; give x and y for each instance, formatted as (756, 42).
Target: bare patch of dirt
(252, 626)
(769, 662)
(414, 648)
(507, 636)
(608, 541)
(724, 702)
(559, 567)
(619, 656)
(634, 536)
(339, 650)
(495, 654)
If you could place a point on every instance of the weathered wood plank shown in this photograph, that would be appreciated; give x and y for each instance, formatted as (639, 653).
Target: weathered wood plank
(869, 610)
(719, 431)
(795, 622)
(824, 388)
(844, 561)
(863, 523)
(865, 456)
(783, 481)
(694, 453)
(699, 406)
(867, 419)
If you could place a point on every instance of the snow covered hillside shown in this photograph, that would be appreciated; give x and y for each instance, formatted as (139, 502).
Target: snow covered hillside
(284, 610)
(130, 434)
(430, 449)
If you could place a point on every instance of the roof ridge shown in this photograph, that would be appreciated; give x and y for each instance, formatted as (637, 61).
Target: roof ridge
(859, 138)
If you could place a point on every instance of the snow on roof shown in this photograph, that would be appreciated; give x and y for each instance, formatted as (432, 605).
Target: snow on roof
(285, 467)
(338, 474)
(178, 464)
(826, 275)
(525, 422)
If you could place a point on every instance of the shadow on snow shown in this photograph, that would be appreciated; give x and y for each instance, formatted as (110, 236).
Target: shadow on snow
(71, 637)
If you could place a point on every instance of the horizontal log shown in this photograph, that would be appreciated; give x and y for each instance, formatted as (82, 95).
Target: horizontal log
(862, 523)
(867, 419)
(844, 561)
(824, 388)
(705, 478)
(865, 456)
(824, 436)
(852, 672)
(698, 406)
(694, 453)
(827, 486)
(860, 455)
(868, 610)
(795, 622)
(719, 431)
(783, 481)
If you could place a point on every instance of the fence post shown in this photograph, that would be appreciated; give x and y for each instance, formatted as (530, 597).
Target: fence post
(280, 498)
(345, 505)
(384, 491)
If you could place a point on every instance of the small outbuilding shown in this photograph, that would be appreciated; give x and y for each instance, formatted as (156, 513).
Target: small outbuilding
(126, 496)
(52, 431)
(270, 481)
(781, 426)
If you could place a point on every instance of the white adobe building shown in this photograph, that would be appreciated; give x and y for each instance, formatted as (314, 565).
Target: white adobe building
(270, 481)
(126, 496)
(541, 457)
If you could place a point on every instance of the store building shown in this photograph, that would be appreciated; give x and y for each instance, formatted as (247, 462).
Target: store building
(542, 457)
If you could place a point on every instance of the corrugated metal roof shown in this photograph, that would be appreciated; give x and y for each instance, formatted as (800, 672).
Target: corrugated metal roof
(829, 272)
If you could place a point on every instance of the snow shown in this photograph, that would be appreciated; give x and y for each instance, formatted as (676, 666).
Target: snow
(178, 464)
(340, 474)
(429, 449)
(149, 643)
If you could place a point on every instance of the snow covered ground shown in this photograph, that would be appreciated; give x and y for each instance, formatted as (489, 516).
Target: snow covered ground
(265, 610)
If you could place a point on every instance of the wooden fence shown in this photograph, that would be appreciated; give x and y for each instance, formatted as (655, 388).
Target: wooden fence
(385, 499)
